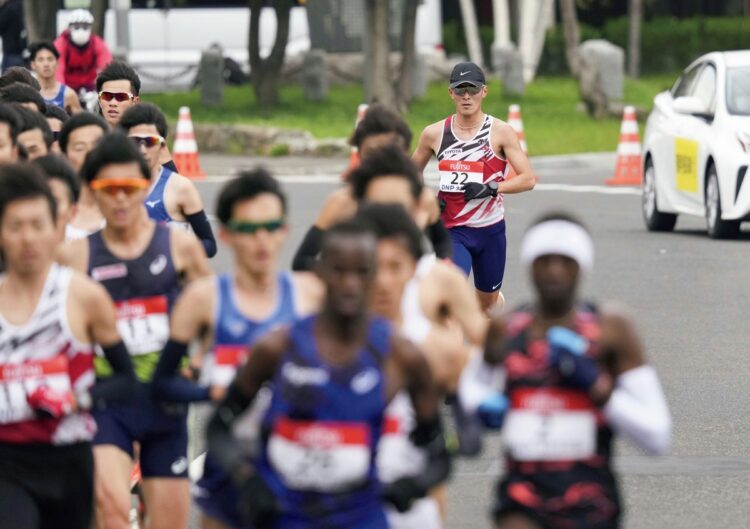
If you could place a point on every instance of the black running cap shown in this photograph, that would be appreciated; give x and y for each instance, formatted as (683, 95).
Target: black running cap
(467, 73)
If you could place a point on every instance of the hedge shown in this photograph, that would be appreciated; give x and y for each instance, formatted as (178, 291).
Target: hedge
(667, 45)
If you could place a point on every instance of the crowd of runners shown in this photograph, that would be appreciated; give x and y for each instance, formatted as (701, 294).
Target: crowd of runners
(330, 383)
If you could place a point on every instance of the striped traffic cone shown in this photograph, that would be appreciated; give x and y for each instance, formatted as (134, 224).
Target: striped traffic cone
(185, 149)
(515, 121)
(354, 156)
(628, 170)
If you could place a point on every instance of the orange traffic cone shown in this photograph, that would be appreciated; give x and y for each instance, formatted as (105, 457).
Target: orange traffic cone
(354, 156)
(628, 171)
(185, 149)
(515, 121)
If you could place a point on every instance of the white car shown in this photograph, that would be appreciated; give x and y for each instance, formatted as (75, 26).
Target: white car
(696, 147)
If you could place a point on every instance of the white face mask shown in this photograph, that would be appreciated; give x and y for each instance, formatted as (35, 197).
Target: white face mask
(80, 36)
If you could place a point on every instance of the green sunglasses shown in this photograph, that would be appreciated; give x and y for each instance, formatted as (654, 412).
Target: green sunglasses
(239, 226)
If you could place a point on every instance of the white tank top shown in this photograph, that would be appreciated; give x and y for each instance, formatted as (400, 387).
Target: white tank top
(43, 351)
(397, 456)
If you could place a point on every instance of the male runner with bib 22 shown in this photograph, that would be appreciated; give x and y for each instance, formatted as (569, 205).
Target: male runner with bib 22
(473, 151)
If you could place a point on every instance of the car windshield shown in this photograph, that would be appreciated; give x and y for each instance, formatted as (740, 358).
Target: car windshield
(738, 90)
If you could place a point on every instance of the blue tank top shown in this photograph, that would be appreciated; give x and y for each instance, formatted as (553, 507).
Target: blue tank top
(321, 430)
(59, 99)
(233, 331)
(157, 209)
(144, 290)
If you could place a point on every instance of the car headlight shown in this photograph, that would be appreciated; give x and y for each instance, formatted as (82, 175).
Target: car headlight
(744, 138)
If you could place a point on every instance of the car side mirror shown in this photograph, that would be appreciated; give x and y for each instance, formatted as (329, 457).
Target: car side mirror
(689, 105)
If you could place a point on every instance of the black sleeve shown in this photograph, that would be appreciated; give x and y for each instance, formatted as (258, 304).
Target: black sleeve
(120, 386)
(202, 229)
(168, 385)
(430, 436)
(221, 442)
(440, 239)
(171, 166)
(307, 253)
(468, 430)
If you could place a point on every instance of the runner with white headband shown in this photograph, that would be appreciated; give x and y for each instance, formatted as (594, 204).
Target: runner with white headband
(562, 378)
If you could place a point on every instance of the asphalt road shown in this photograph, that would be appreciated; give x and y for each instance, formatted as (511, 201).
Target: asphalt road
(690, 296)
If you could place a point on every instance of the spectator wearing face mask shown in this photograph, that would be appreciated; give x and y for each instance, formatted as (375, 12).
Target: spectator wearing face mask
(82, 54)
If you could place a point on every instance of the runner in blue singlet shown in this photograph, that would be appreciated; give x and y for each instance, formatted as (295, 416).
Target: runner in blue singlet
(172, 197)
(43, 57)
(237, 308)
(332, 377)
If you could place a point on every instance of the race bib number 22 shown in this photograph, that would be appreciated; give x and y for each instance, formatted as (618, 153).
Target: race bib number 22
(455, 174)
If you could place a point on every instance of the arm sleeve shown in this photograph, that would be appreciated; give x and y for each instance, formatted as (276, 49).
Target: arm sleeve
(171, 166)
(638, 410)
(168, 385)
(120, 386)
(479, 380)
(221, 442)
(307, 253)
(202, 229)
(440, 239)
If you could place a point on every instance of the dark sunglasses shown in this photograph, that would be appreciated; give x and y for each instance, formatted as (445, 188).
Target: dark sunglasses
(471, 90)
(239, 226)
(148, 141)
(55, 135)
(117, 96)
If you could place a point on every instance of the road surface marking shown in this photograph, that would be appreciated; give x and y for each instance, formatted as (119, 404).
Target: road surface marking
(336, 179)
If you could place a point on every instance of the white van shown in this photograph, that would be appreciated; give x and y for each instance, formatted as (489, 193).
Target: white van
(166, 44)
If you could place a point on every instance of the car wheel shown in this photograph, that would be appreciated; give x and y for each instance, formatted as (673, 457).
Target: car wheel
(716, 227)
(655, 220)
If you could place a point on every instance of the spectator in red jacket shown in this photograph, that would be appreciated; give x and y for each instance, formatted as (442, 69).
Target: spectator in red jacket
(82, 54)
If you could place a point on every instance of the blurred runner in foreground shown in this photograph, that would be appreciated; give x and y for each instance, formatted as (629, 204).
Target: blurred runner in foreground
(565, 377)
(333, 375)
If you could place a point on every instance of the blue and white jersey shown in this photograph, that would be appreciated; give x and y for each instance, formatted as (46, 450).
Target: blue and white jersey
(234, 333)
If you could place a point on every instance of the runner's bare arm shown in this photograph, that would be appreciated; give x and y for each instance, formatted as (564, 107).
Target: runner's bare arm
(309, 292)
(259, 369)
(426, 146)
(189, 201)
(505, 140)
(462, 303)
(192, 315)
(189, 256)
(97, 310)
(338, 206)
(74, 254)
(71, 102)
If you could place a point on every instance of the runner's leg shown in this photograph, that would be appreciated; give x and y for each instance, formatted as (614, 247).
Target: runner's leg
(19, 509)
(461, 254)
(207, 522)
(515, 520)
(113, 467)
(167, 502)
(489, 264)
(164, 466)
